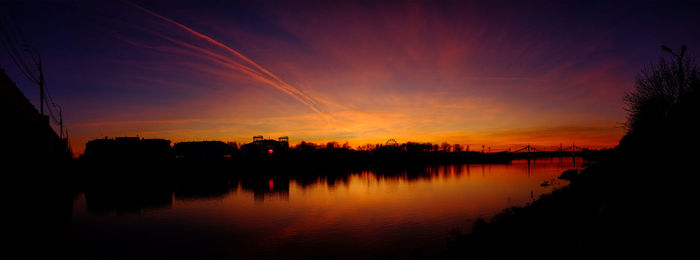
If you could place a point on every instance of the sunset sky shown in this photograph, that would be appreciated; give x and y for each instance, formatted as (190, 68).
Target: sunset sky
(499, 73)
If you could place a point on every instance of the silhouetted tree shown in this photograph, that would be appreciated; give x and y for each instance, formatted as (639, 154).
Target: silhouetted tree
(664, 105)
(445, 147)
(233, 145)
(366, 147)
(304, 146)
(332, 145)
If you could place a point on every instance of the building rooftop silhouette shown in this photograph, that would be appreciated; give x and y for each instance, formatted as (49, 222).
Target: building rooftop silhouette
(128, 148)
(261, 146)
(203, 150)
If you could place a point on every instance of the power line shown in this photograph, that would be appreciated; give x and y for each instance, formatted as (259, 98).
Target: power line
(10, 32)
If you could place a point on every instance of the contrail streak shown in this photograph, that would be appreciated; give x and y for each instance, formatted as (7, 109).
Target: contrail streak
(257, 72)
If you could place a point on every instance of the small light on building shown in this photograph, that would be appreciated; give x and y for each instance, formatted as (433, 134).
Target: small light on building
(269, 151)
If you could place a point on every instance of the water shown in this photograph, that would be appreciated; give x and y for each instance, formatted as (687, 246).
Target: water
(363, 214)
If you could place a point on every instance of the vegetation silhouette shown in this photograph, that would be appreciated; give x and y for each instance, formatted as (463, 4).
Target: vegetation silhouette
(123, 155)
(635, 201)
(662, 109)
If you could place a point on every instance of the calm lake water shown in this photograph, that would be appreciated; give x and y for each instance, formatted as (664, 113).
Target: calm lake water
(363, 214)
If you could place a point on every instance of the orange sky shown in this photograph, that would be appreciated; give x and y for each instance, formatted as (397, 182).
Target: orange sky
(471, 73)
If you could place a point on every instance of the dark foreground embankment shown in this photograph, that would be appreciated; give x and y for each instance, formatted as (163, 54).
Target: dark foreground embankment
(620, 206)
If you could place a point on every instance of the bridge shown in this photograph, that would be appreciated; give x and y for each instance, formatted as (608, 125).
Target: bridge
(532, 149)
(512, 148)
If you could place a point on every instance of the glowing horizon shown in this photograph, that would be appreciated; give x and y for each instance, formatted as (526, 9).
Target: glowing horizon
(467, 73)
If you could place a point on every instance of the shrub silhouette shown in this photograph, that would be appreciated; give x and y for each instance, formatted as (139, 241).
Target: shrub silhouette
(663, 107)
(627, 204)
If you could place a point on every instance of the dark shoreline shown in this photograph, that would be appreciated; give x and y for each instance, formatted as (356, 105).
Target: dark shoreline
(615, 208)
(552, 226)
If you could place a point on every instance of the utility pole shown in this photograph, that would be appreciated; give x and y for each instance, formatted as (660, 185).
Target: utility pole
(60, 120)
(41, 87)
(679, 58)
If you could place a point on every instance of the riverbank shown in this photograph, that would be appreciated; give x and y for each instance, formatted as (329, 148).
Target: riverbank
(617, 207)
(553, 225)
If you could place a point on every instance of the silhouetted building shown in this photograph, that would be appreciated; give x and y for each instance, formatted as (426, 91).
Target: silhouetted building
(261, 148)
(128, 149)
(204, 150)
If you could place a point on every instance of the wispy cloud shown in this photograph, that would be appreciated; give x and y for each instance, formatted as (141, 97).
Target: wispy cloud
(417, 71)
(246, 65)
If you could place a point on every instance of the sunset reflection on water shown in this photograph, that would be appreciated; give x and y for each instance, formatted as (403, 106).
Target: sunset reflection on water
(369, 213)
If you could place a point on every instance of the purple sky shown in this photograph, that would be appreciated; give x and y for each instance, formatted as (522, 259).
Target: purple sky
(497, 73)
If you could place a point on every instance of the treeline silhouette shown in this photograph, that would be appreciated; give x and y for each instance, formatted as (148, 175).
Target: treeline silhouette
(265, 153)
(137, 163)
(637, 201)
